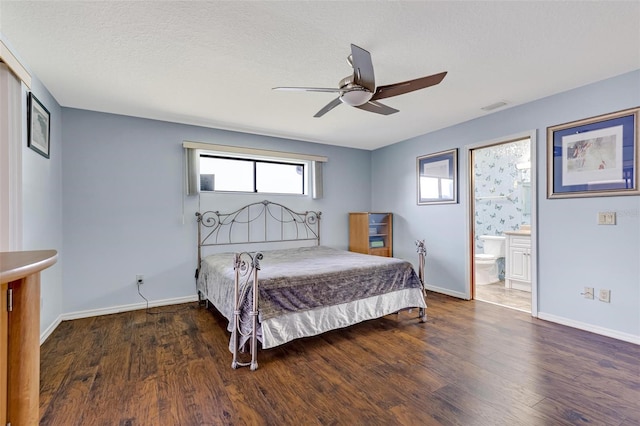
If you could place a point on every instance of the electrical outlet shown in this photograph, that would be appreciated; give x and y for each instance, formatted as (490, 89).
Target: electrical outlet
(604, 295)
(606, 218)
(140, 279)
(588, 293)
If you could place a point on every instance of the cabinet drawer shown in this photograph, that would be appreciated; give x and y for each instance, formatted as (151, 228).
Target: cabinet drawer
(520, 241)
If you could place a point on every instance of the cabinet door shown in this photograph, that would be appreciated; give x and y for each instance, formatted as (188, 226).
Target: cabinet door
(4, 339)
(519, 268)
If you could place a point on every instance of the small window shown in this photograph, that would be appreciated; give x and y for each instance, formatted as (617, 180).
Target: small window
(219, 173)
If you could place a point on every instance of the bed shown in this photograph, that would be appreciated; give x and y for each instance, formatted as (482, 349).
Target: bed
(276, 295)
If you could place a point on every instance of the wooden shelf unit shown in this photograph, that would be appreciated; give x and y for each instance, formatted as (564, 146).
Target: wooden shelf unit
(371, 233)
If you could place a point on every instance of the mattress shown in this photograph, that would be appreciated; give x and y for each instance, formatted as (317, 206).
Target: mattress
(309, 290)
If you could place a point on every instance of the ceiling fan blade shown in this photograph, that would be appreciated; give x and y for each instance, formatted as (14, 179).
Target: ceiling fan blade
(309, 89)
(362, 68)
(378, 108)
(407, 86)
(328, 107)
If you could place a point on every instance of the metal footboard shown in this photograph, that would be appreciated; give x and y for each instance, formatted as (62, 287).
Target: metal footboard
(246, 267)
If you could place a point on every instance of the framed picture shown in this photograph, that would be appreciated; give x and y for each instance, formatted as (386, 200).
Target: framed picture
(594, 157)
(438, 178)
(38, 128)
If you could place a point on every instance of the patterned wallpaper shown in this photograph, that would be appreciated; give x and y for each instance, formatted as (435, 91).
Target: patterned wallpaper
(502, 177)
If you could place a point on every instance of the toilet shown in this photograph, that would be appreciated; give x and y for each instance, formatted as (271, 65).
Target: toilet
(486, 263)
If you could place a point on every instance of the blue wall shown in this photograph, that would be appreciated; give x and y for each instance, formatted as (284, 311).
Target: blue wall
(42, 204)
(573, 250)
(125, 212)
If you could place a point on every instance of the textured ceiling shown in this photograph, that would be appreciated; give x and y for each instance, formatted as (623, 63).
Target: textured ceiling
(214, 63)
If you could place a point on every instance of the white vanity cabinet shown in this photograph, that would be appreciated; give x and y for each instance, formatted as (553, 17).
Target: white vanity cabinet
(518, 260)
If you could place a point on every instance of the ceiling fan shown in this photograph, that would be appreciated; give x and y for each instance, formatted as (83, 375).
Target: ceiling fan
(359, 89)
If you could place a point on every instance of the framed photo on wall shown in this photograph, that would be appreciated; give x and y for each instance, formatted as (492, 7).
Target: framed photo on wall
(38, 126)
(594, 157)
(438, 178)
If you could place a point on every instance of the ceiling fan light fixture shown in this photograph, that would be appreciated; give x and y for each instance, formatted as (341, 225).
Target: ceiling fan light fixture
(359, 88)
(356, 97)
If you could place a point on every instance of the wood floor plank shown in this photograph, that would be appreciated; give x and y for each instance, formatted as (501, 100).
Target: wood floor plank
(176, 399)
(406, 415)
(143, 362)
(141, 408)
(73, 392)
(246, 409)
(488, 411)
(213, 403)
(617, 384)
(568, 413)
(471, 363)
(53, 378)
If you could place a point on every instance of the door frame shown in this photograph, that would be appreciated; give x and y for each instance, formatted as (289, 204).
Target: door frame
(470, 244)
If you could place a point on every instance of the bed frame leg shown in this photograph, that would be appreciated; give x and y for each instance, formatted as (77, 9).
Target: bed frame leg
(234, 344)
(254, 313)
(202, 301)
(422, 252)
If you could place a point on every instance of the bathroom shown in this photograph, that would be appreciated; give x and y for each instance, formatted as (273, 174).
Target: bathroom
(502, 209)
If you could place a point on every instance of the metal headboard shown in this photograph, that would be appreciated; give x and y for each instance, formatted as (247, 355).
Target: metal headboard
(255, 223)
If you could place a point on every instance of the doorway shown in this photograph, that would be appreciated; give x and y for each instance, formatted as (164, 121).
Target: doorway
(502, 219)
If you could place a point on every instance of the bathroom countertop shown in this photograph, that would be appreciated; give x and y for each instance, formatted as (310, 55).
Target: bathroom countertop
(519, 232)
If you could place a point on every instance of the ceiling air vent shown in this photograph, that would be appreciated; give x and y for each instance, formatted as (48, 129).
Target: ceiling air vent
(494, 106)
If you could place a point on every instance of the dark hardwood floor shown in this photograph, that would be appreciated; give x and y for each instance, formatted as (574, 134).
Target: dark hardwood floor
(472, 363)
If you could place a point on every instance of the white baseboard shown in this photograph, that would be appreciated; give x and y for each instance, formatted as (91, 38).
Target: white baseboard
(47, 332)
(626, 337)
(113, 310)
(126, 308)
(446, 291)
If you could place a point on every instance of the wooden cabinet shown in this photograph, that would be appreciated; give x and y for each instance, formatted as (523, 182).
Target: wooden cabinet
(518, 261)
(20, 334)
(371, 233)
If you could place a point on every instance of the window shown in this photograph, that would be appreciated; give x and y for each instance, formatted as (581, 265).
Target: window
(211, 167)
(218, 173)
